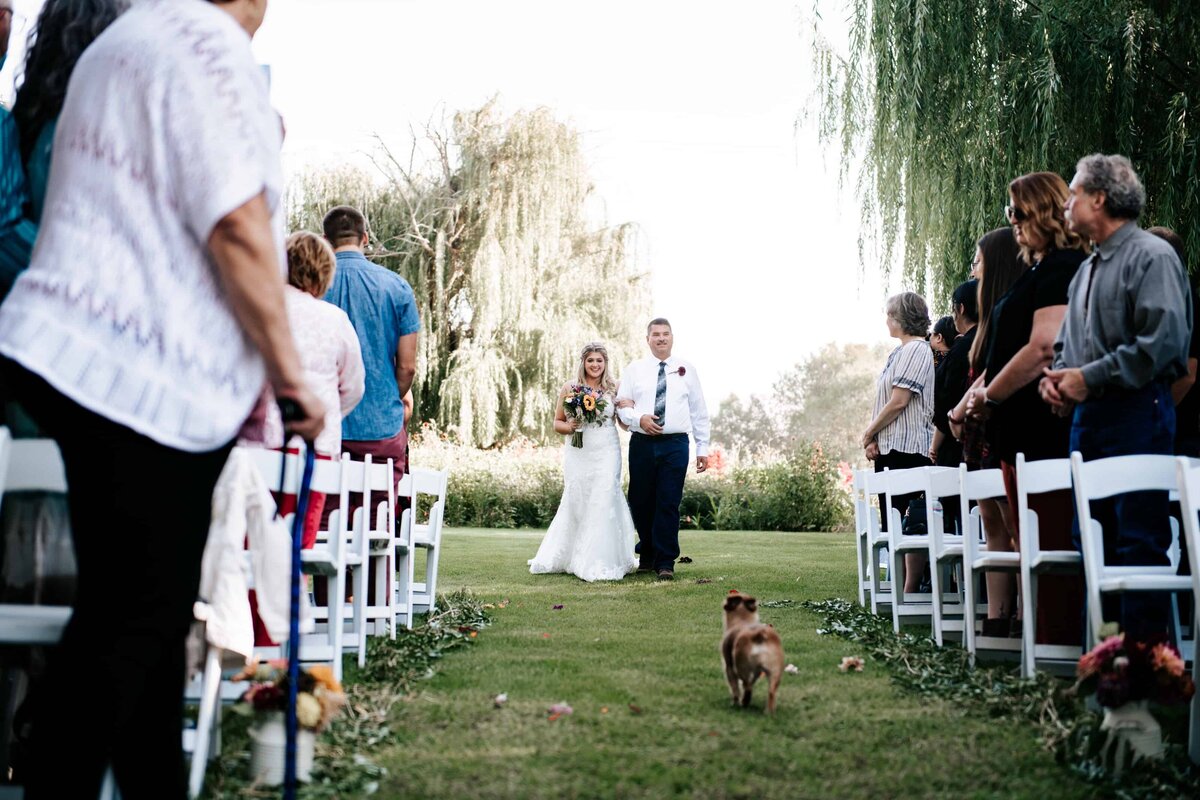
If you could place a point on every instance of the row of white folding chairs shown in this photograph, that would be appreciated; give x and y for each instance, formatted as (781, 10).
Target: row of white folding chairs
(32, 465)
(959, 611)
(1096, 480)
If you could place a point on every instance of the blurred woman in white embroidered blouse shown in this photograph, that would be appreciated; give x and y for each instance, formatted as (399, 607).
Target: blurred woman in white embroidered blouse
(139, 338)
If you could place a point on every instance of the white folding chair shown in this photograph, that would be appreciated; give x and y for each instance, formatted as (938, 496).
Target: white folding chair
(31, 465)
(428, 535)
(1034, 478)
(34, 465)
(328, 557)
(984, 484)
(1188, 474)
(401, 566)
(370, 549)
(945, 552)
(862, 548)
(902, 482)
(1104, 478)
(877, 543)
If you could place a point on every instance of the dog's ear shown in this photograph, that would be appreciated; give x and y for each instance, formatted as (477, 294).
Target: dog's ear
(732, 602)
(751, 604)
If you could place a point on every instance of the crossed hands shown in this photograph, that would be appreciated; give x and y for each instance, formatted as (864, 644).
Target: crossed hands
(1061, 389)
(650, 427)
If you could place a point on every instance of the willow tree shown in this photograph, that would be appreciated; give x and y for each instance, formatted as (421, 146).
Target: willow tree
(943, 102)
(512, 275)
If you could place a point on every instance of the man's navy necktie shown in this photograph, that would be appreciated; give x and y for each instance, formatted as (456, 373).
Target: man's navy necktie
(660, 395)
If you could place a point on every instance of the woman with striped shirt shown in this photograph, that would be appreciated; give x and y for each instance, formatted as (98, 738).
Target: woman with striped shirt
(901, 434)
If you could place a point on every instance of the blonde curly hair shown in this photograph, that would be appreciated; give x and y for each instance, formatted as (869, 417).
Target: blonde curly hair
(310, 262)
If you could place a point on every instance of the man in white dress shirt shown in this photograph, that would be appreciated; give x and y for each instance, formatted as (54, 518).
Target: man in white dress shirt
(668, 405)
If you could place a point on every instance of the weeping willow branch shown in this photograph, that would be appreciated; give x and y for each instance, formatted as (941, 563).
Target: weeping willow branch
(943, 103)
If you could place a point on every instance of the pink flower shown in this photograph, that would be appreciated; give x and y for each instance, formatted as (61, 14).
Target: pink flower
(680, 372)
(851, 663)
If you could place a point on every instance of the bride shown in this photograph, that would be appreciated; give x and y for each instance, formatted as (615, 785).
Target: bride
(592, 534)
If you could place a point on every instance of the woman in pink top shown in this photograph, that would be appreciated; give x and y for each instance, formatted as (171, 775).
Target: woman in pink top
(329, 352)
(333, 366)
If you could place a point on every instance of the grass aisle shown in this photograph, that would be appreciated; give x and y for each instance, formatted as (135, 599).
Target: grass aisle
(653, 645)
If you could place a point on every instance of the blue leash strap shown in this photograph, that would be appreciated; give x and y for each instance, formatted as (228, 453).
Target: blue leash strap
(290, 753)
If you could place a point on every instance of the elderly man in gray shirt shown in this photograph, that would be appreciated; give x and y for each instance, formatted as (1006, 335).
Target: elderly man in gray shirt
(1123, 342)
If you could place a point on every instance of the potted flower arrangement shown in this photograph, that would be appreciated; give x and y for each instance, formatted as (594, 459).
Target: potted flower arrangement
(318, 698)
(1127, 676)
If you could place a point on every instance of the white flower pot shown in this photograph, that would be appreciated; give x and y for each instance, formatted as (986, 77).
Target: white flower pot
(268, 750)
(1133, 734)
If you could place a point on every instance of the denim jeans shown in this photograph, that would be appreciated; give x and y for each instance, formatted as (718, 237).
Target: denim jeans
(1137, 529)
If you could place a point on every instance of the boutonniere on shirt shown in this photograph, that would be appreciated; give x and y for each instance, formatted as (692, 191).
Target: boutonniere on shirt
(680, 372)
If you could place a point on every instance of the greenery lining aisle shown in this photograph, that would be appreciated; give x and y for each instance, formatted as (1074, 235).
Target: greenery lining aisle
(637, 663)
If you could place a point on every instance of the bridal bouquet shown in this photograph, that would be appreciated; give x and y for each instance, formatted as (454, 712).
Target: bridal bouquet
(585, 404)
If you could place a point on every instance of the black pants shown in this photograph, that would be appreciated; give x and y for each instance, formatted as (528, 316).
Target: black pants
(913, 503)
(657, 468)
(113, 688)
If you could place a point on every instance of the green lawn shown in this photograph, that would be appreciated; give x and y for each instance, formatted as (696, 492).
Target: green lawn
(654, 645)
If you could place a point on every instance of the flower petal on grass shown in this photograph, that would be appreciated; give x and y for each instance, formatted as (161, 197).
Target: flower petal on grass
(791, 669)
(851, 663)
(560, 710)
(557, 607)
(635, 709)
(500, 699)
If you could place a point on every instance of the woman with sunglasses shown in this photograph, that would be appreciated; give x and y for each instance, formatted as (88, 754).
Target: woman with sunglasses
(1025, 324)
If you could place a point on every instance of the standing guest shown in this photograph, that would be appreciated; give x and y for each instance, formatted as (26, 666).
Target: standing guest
(63, 31)
(143, 360)
(952, 378)
(999, 265)
(901, 434)
(329, 351)
(1123, 343)
(383, 310)
(942, 338)
(1025, 324)
(333, 366)
(1184, 391)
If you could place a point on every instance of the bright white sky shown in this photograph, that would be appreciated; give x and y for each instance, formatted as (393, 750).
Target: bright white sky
(688, 112)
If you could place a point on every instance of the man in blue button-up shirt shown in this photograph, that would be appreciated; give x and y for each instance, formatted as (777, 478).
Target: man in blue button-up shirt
(383, 310)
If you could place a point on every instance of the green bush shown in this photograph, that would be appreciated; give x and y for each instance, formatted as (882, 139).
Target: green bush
(799, 492)
(520, 486)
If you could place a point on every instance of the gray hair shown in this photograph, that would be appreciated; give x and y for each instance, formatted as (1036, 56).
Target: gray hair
(1124, 196)
(910, 311)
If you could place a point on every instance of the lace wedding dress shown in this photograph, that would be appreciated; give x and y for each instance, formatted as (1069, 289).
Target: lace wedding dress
(592, 534)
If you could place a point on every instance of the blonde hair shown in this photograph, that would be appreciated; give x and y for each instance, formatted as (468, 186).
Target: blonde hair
(607, 382)
(310, 262)
(1042, 197)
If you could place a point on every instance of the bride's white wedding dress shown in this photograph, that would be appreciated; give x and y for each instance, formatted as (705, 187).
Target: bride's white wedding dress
(592, 535)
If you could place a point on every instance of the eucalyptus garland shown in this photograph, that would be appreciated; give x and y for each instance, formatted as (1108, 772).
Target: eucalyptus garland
(343, 766)
(1061, 718)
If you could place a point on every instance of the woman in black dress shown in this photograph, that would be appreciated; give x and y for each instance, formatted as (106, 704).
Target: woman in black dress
(1026, 323)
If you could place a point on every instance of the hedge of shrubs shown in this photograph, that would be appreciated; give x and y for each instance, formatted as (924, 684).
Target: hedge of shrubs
(520, 486)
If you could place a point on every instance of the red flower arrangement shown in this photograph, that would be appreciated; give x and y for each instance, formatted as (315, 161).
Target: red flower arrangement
(1121, 671)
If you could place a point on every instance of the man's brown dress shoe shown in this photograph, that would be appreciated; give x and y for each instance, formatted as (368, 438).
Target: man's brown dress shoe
(666, 575)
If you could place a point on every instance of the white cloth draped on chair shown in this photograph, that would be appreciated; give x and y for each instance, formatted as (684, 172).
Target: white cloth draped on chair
(244, 524)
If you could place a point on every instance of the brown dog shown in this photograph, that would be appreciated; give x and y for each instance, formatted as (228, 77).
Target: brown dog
(750, 650)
